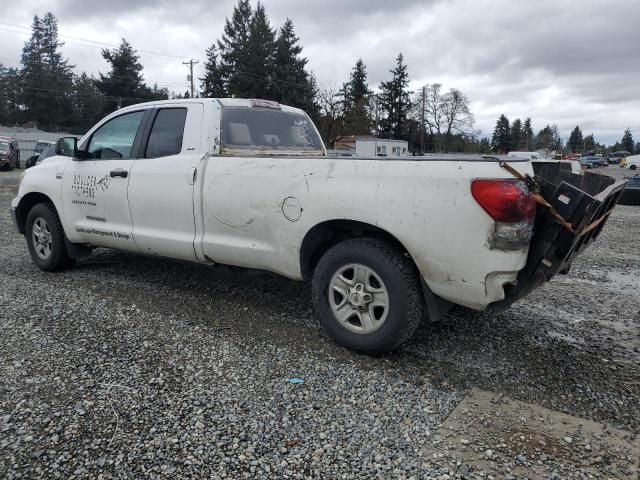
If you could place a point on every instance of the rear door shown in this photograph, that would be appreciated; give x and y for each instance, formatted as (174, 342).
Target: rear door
(161, 185)
(94, 191)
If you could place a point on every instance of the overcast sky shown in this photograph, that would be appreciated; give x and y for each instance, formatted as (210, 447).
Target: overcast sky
(558, 61)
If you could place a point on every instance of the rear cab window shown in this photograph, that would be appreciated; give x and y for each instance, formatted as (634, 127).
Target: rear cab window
(167, 132)
(268, 131)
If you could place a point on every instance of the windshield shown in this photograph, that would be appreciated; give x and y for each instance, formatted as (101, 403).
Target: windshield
(268, 130)
(4, 145)
(40, 146)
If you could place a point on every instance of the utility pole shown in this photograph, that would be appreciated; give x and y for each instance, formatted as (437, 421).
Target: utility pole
(424, 94)
(191, 63)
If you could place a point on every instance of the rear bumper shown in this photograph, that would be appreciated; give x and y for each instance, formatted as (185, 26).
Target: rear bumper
(579, 199)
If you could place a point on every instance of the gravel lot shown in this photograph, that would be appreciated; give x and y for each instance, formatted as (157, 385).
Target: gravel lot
(136, 367)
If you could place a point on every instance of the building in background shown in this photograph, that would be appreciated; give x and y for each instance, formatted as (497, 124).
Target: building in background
(369, 146)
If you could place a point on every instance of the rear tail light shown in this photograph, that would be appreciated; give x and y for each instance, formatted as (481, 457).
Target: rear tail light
(505, 200)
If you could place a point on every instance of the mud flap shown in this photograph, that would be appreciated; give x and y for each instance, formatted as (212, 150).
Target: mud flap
(585, 202)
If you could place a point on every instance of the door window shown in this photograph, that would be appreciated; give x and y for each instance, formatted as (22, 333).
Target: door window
(114, 139)
(166, 134)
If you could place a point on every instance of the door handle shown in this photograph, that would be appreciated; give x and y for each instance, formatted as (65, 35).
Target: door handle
(118, 173)
(193, 175)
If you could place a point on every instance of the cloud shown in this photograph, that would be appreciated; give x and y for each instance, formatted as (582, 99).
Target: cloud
(558, 61)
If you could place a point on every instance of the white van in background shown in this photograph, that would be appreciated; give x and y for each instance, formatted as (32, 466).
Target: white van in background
(538, 157)
(633, 162)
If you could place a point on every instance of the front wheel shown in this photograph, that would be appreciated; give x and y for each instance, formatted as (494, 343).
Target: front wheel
(632, 167)
(367, 295)
(45, 239)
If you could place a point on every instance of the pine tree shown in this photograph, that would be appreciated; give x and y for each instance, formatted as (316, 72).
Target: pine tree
(627, 141)
(232, 48)
(46, 78)
(516, 134)
(356, 101)
(124, 84)
(394, 102)
(589, 143)
(575, 140)
(527, 134)
(86, 102)
(637, 152)
(258, 58)
(292, 84)
(212, 84)
(501, 139)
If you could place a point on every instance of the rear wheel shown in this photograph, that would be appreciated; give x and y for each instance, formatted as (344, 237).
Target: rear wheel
(367, 295)
(632, 167)
(45, 238)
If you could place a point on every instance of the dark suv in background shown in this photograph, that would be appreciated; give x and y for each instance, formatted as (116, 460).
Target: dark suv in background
(9, 153)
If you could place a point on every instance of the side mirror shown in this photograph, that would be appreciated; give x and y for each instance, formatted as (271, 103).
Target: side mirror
(67, 146)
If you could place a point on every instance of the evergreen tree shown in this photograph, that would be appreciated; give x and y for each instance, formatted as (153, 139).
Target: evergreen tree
(527, 134)
(233, 48)
(548, 138)
(258, 62)
(501, 139)
(575, 140)
(124, 84)
(627, 141)
(485, 145)
(86, 102)
(292, 84)
(394, 102)
(637, 152)
(589, 143)
(213, 83)
(356, 97)
(517, 141)
(46, 78)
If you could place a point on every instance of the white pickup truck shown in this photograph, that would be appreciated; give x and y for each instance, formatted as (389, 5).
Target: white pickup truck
(385, 242)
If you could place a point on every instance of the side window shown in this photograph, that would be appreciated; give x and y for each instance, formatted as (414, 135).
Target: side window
(166, 134)
(114, 139)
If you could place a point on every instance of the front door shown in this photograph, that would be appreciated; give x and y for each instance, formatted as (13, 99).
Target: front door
(94, 190)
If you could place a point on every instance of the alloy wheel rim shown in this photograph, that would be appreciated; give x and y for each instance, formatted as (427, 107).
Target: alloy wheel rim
(358, 298)
(41, 236)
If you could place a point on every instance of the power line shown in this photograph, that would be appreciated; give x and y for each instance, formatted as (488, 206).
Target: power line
(88, 42)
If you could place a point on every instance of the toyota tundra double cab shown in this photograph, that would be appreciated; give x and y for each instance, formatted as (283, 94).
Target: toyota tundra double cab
(385, 242)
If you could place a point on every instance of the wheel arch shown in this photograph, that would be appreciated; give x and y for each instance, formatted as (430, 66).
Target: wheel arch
(25, 205)
(324, 235)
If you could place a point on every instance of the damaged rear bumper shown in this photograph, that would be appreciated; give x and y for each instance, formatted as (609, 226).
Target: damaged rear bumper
(582, 200)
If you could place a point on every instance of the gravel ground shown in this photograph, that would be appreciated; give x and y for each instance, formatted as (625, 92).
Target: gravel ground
(135, 367)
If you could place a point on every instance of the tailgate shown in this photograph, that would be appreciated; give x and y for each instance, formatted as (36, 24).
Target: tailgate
(585, 201)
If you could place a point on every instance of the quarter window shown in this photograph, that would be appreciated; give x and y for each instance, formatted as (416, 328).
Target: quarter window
(114, 139)
(166, 134)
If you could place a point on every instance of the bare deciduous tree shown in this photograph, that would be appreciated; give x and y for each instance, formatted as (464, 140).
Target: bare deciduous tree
(444, 114)
(330, 103)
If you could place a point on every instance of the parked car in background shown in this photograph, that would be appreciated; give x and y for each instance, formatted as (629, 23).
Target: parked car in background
(9, 153)
(46, 154)
(39, 148)
(593, 162)
(589, 162)
(616, 157)
(572, 156)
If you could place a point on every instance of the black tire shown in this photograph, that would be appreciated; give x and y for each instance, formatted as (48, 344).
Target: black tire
(58, 259)
(398, 273)
(632, 167)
